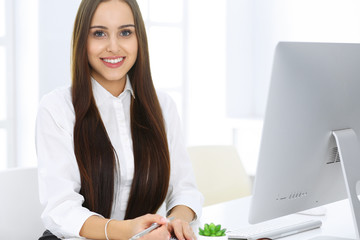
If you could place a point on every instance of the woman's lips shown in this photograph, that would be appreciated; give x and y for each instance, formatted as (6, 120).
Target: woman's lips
(113, 62)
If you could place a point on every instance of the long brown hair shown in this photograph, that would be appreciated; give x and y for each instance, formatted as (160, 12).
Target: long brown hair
(95, 155)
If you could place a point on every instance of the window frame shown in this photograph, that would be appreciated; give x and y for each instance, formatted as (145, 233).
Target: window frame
(182, 90)
(7, 41)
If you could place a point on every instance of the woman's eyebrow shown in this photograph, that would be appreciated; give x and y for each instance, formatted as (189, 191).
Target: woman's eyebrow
(120, 27)
(102, 27)
(126, 25)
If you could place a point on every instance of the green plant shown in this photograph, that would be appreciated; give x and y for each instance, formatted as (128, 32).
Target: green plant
(212, 230)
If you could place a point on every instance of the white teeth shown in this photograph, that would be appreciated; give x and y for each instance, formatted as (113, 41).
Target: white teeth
(112, 61)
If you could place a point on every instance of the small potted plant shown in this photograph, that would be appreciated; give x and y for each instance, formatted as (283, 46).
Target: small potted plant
(212, 232)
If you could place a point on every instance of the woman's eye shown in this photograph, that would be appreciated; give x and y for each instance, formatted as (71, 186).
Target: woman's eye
(99, 34)
(125, 33)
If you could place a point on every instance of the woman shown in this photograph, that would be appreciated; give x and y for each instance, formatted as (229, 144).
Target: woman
(109, 148)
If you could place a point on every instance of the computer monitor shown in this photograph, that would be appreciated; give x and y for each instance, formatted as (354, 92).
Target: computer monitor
(314, 95)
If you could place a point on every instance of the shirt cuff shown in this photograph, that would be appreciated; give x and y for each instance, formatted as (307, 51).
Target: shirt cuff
(69, 226)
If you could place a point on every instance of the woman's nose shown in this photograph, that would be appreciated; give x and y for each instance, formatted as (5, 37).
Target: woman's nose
(113, 46)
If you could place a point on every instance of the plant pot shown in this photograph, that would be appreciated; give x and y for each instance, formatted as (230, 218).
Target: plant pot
(212, 238)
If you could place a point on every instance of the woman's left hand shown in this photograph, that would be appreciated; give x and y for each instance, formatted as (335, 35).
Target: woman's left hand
(181, 229)
(180, 226)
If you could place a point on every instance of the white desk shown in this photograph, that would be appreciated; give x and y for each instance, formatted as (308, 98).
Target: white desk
(234, 215)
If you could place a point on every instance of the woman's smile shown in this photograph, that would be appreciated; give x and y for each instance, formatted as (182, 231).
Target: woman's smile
(113, 62)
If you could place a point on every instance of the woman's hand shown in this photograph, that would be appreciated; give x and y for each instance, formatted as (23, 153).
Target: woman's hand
(160, 233)
(141, 223)
(180, 226)
(181, 229)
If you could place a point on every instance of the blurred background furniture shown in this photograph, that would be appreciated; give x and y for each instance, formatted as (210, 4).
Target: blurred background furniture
(20, 208)
(220, 175)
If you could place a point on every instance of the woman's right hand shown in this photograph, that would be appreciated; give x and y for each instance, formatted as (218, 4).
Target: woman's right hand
(93, 228)
(160, 233)
(141, 223)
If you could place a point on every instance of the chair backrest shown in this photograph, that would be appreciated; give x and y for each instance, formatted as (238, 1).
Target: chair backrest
(219, 173)
(20, 208)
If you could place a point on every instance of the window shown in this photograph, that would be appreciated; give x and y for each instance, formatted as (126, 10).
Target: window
(6, 103)
(165, 22)
(187, 55)
(18, 92)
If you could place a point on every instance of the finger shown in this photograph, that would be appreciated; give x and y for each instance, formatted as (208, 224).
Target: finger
(160, 233)
(188, 232)
(154, 218)
(178, 229)
(170, 227)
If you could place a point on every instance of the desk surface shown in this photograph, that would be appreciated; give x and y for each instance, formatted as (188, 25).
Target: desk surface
(234, 215)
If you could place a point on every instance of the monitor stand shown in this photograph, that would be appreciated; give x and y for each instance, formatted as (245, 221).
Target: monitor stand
(348, 147)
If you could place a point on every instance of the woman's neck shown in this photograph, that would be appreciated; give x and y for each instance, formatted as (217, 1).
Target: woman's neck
(115, 87)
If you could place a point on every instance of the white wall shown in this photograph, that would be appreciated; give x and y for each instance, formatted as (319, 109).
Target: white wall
(56, 21)
(297, 20)
(239, 85)
(256, 26)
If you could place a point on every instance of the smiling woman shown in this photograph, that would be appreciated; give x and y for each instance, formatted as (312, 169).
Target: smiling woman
(112, 48)
(111, 157)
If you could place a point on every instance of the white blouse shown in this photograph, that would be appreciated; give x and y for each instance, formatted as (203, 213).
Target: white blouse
(59, 177)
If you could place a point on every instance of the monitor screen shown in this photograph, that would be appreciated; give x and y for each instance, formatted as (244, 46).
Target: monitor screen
(314, 91)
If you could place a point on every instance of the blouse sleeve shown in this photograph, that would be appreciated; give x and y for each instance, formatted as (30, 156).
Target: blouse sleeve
(182, 189)
(59, 179)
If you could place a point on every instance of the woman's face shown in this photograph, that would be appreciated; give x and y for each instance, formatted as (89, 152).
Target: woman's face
(112, 43)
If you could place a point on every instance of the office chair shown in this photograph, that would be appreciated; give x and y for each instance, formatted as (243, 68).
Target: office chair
(219, 173)
(20, 208)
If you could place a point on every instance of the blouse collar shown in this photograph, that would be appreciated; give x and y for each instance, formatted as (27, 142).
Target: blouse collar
(100, 93)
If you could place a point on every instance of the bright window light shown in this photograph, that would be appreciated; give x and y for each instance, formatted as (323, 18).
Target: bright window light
(144, 8)
(166, 51)
(2, 18)
(2, 84)
(3, 150)
(166, 10)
